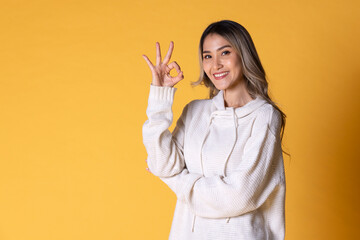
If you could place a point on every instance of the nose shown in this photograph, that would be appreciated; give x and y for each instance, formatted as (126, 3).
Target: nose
(217, 63)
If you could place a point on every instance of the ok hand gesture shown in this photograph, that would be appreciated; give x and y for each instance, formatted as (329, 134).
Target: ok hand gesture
(161, 71)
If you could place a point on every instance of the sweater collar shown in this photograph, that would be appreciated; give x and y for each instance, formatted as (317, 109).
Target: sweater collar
(248, 108)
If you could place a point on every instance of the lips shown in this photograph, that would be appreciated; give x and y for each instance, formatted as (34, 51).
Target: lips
(220, 75)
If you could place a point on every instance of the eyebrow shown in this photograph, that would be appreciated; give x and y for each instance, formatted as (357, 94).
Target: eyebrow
(220, 48)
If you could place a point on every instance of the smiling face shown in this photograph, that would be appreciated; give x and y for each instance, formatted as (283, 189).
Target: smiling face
(221, 62)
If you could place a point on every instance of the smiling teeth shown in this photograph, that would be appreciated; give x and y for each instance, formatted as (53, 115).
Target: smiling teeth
(221, 74)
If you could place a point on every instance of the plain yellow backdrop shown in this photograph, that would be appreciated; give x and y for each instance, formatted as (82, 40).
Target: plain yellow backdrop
(73, 95)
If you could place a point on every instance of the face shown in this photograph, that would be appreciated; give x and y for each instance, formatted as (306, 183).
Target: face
(221, 62)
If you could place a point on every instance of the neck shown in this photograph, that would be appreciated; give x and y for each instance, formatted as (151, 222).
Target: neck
(237, 96)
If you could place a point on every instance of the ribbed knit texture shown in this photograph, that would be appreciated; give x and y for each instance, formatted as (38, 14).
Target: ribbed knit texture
(225, 166)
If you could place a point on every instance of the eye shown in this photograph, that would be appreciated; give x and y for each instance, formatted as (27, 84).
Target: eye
(206, 56)
(225, 52)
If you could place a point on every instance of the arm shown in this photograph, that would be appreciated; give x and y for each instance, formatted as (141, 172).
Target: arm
(241, 191)
(165, 158)
(165, 149)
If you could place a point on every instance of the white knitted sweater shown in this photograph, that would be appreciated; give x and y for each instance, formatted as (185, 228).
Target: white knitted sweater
(224, 164)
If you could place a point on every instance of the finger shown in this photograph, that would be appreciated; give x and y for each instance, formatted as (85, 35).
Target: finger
(178, 78)
(168, 55)
(158, 54)
(151, 66)
(174, 65)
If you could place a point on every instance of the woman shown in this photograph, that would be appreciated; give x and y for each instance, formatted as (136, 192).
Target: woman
(224, 158)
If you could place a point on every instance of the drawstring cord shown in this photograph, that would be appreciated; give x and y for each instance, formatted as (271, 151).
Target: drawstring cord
(201, 160)
(193, 223)
(203, 142)
(232, 149)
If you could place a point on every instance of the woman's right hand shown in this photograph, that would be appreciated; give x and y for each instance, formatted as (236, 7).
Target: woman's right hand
(161, 71)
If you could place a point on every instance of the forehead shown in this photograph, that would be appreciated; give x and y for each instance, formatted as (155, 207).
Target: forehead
(214, 41)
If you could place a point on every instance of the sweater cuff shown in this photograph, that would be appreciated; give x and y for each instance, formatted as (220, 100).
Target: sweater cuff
(162, 93)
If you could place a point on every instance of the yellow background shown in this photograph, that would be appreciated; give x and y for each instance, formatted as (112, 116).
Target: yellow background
(73, 95)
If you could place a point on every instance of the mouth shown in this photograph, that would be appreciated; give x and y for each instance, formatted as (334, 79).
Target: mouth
(221, 75)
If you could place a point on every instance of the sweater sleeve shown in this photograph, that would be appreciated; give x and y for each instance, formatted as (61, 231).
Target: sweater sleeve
(241, 191)
(165, 149)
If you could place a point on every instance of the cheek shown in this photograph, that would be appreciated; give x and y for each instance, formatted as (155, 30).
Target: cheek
(206, 68)
(235, 65)
(229, 63)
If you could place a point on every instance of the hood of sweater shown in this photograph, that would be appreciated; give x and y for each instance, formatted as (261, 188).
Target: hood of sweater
(219, 103)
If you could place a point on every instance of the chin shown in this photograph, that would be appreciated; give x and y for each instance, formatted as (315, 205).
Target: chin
(218, 88)
(221, 87)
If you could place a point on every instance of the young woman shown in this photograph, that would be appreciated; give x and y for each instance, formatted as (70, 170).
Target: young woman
(224, 158)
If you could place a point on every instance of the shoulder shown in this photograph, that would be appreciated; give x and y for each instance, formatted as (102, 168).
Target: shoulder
(199, 103)
(268, 115)
(195, 105)
(195, 109)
